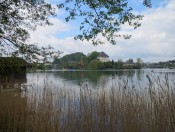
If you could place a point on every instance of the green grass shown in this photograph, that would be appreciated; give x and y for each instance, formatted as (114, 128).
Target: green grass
(119, 109)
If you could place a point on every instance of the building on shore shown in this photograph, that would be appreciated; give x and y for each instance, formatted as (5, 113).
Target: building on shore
(103, 57)
(13, 64)
(13, 72)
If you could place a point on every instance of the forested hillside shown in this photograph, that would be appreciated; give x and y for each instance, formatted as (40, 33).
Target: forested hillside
(75, 57)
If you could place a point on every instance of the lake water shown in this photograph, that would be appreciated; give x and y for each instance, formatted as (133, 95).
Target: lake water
(134, 78)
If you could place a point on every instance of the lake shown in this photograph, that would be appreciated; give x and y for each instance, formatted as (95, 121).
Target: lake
(133, 78)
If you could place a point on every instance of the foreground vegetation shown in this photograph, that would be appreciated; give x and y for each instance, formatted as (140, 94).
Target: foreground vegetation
(120, 108)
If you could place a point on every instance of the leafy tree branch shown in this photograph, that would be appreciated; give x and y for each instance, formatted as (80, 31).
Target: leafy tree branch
(17, 18)
(102, 17)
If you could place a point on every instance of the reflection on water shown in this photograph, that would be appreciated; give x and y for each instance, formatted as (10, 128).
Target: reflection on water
(91, 79)
(98, 79)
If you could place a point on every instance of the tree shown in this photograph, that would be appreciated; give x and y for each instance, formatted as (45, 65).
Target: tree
(139, 63)
(74, 57)
(17, 18)
(120, 64)
(102, 17)
(93, 56)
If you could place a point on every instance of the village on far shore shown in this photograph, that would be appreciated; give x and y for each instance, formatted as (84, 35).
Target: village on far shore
(98, 61)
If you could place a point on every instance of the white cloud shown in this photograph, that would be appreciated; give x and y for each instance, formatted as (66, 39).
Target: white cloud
(153, 41)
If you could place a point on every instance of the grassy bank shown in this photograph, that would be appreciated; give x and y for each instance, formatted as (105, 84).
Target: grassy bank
(121, 108)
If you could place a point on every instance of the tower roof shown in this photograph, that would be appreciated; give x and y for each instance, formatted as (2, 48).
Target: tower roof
(103, 54)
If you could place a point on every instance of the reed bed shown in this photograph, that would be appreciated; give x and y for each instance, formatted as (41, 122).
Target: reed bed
(122, 108)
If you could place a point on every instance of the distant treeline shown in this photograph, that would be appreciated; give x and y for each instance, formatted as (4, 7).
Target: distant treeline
(90, 62)
(80, 61)
(167, 64)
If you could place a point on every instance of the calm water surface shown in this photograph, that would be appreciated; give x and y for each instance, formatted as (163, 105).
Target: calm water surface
(99, 79)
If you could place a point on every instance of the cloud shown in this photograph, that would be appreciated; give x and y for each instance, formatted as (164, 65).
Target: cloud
(153, 41)
(156, 37)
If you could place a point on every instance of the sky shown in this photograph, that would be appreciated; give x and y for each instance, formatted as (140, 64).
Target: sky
(154, 41)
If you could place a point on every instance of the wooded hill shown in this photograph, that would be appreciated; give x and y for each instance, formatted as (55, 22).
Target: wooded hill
(75, 57)
(80, 61)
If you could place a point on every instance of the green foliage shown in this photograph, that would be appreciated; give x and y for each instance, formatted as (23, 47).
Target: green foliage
(80, 61)
(68, 65)
(56, 61)
(139, 63)
(99, 17)
(71, 61)
(147, 3)
(102, 17)
(98, 65)
(167, 64)
(13, 64)
(41, 66)
(120, 64)
(71, 58)
(17, 18)
(93, 56)
(95, 65)
(75, 57)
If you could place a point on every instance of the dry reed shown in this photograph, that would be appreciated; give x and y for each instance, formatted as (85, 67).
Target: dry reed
(120, 109)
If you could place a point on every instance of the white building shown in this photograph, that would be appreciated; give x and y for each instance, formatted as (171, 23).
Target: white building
(103, 57)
